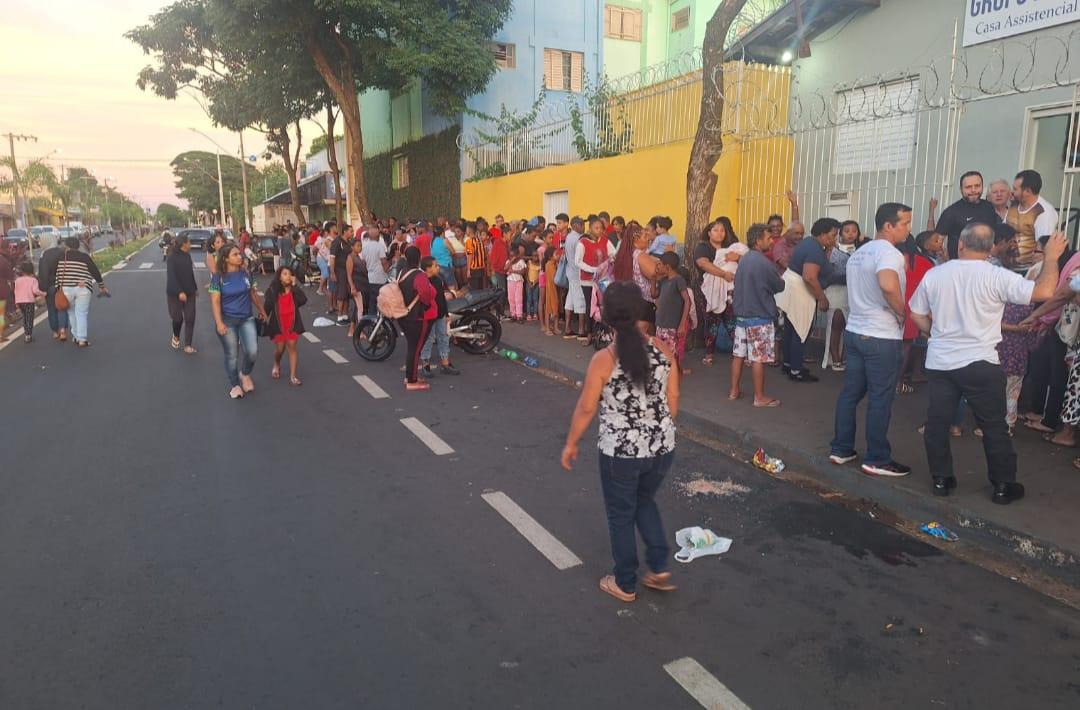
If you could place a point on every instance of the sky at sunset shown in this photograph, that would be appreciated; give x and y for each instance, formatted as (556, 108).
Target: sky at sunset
(67, 75)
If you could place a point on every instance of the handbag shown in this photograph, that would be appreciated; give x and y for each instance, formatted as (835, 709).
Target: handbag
(60, 299)
(1068, 325)
(561, 279)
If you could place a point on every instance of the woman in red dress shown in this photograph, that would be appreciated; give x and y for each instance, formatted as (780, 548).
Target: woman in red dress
(915, 267)
(284, 325)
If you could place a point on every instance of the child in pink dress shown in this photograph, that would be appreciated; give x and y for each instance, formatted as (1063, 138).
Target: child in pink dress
(27, 293)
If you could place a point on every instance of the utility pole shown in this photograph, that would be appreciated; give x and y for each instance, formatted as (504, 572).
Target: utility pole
(243, 176)
(220, 189)
(20, 205)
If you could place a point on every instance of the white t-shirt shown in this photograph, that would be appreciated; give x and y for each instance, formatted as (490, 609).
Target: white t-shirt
(967, 298)
(1047, 222)
(373, 252)
(870, 314)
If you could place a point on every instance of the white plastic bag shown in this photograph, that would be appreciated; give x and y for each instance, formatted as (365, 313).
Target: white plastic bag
(321, 322)
(698, 542)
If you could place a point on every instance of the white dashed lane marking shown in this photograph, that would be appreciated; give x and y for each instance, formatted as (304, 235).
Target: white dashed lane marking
(311, 337)
(703, 686)
(556, 552)
(121, 265)
(369, 385)
(146, 265)
(335, 357)
(430, 438)
(200, 265)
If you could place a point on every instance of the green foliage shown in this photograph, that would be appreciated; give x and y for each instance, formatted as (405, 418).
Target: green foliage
(611, 133)
(196, 181)
(319, 144)
(510, 132)
(434, 179)
(171, 215)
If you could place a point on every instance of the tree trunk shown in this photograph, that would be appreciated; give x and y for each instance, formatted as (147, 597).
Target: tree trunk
(701, 181)
(280, 136)
(342, 84)
(331, 152)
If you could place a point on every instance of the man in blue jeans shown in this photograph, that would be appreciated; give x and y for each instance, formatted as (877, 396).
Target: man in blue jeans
(874, 343)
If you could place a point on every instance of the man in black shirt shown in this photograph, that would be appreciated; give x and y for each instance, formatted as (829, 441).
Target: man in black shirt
(970, 208)
(58, 320)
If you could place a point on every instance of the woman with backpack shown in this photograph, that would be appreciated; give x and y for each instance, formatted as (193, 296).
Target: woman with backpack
(418, 298)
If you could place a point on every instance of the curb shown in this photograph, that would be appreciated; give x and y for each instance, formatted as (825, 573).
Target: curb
(817, 471)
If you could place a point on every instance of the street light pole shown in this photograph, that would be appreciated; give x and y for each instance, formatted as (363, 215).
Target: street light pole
(243, 176)
(220, 183)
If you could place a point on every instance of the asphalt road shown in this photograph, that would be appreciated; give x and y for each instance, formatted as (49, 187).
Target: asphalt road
(164, 547)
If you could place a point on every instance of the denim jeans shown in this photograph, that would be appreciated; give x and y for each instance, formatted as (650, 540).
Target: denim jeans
(793, 348)
(58, 320)
(240, 344)
(79, 311)
(439, 334)
(630, 487)
(446, 273)
(873, 365)
(532, 299)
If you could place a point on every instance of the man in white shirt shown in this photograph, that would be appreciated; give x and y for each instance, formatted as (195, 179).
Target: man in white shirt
(374, 255)
(874, 343)
(575, 298)
(960, 305)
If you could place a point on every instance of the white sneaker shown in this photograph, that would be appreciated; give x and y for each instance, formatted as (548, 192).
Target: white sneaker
(840, 460)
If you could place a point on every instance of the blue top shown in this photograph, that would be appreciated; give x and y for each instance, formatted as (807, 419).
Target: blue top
(810, 251)
(661, 244)
(440, 251)
(235, 291)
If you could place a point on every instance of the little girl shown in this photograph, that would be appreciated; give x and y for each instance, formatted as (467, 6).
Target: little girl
(27, 293)
(283, 325)
(515, 286)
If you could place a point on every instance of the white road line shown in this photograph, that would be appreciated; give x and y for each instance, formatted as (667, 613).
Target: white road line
(430, 438)
(335, 357)
(18, 334)
(703, 686)
(369, 384)
(556, 552)
(311, 337)
(119, 265)
(200, 265)
(146, 265)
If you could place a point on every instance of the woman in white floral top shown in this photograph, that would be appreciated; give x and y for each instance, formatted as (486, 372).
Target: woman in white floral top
(634, 386)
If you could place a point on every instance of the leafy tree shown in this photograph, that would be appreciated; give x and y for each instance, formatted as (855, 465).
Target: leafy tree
(35, 182)
(267, 86)
(319, 144)
(196, 179)
(170, 215)
(357, 45)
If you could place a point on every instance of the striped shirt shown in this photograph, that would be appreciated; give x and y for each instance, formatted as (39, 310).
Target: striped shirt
(478, 256)
(77, 269)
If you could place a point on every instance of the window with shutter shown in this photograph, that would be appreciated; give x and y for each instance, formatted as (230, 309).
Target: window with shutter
(399, 173)
(553, 70)
(577, 72)
(680, 20)
(505, 55)
(622, 23)
(564, 71)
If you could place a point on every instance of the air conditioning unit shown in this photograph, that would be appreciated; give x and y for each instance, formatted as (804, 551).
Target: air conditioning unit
(842, 205)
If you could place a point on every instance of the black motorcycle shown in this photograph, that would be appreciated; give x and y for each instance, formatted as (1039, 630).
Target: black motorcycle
(472, 325)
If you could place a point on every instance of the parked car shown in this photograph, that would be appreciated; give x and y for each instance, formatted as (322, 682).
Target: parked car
(198, 238)
(16, 236)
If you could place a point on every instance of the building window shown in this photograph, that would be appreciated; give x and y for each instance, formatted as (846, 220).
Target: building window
(399, 173)
(680, 20)
(622, 23)
(876, 128)
(564, 71)
(505, 55)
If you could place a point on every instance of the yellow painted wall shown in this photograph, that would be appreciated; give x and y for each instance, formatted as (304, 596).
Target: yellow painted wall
(753, 173)
(637, 186)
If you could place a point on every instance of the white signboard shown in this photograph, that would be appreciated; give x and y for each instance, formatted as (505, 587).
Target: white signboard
(987, 20)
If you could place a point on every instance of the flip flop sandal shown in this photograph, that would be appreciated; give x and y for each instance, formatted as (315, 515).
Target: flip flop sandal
(275, 374)
(295, 381)
(732, 399)
(175, 343)
(660, 581)
(190, 350)
(772, 403)
(607, 584)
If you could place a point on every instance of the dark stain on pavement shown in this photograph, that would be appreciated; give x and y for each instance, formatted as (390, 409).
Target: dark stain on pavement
(859, 537)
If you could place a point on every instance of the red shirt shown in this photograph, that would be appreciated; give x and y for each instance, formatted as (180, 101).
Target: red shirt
(423, 243)
(557, 238)
(312, 237)
(499, 254)
(595, 252)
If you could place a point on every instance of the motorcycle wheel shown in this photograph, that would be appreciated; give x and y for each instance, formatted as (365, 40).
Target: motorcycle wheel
(486, 325)
(374, 345)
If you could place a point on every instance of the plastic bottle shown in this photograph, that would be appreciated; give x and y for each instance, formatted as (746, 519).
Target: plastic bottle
(531, 362)
(512, 355)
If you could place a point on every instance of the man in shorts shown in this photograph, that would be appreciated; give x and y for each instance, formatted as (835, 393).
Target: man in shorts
(756, 286)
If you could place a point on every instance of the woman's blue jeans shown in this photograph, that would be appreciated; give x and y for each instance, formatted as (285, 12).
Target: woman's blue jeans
(630, 487)
(241, 345)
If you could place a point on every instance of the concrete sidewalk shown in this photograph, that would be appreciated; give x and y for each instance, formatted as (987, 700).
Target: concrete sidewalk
(1041, 528)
